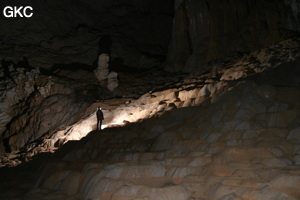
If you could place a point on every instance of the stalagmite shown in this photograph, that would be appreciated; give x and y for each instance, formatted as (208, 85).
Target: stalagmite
(102, 71)
(112, 81)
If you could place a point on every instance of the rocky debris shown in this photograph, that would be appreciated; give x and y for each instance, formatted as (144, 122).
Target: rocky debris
(196, 89)
(260, 60)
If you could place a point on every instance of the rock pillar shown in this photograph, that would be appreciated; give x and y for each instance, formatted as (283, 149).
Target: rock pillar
(112, 82)
(102, 71)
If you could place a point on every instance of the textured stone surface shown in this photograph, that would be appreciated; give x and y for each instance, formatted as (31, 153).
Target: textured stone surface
(33, 105)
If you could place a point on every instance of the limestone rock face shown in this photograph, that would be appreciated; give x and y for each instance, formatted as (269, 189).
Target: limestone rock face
(207, 30)
(14, 89)
(32, 105)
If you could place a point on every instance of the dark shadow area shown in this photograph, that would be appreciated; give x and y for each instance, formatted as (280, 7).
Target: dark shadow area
(287, 74)
(27, 173)
(73, 67)
(6, 146)
(104, 45)
(6, 64)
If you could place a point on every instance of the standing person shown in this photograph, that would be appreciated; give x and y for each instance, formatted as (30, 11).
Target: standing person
(100, 117)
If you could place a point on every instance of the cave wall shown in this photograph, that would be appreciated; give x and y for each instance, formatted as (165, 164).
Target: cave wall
(33, 105)
(69, 31)
(204, 31)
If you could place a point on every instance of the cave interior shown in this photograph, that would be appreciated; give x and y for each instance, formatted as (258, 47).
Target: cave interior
(201, 99)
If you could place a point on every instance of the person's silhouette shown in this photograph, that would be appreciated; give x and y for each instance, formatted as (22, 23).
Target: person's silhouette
(100, 117)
